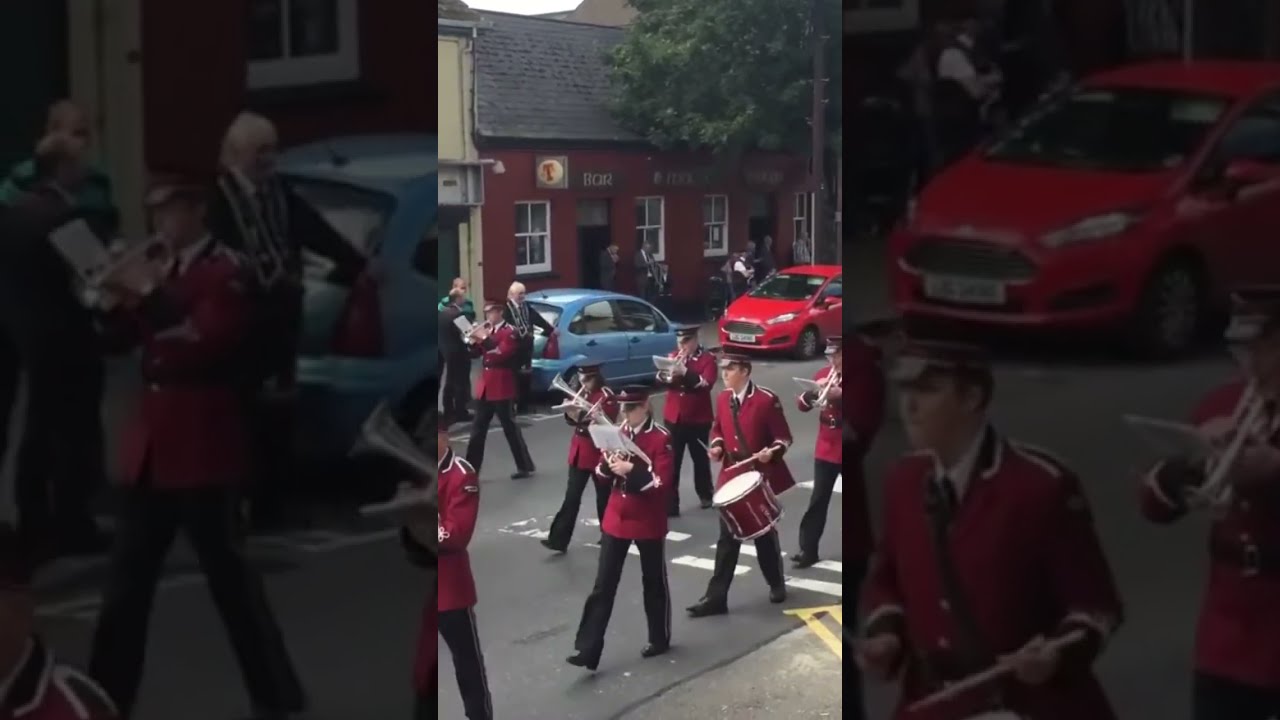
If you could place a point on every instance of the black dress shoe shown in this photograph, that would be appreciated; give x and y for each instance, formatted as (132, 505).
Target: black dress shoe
(582, 661)
(704, 504)
(804, 560)
(707, 608)
(546, 543)
(778, 594)
(521, 474)
(652, 650)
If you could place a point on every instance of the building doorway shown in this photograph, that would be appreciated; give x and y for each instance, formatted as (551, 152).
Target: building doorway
(763, 218)
(594, 234)
(34, 36)
(447, 249)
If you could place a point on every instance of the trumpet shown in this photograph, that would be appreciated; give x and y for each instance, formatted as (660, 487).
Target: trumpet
(381, 434)
(833, 379)
(1217, 491)
(478, 332)
(666, 375)
(577, 400)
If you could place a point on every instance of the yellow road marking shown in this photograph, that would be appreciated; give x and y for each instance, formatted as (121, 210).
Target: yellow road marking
(812, 618)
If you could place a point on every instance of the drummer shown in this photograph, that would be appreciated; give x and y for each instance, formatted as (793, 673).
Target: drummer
(750, 435)
(989, 549)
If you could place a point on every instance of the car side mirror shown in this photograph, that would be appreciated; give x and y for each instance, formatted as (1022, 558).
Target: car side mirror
(1244, 173)
(822, 302)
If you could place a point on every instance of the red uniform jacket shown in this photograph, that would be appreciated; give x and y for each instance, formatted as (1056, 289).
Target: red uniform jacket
(763, 424)
(46, 690)
(637, 509)
(1239, 630)
(459, 506)
(867, 392)
(689, 395)
(427, 660)
(189, 431)
(1028, 562)
(583, 453)
(500, 352)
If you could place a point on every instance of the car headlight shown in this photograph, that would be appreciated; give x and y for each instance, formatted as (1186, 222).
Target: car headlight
(1097, 227)
(784, 317)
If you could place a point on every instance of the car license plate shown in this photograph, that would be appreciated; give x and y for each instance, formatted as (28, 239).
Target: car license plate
(970, 291)
(740, 338)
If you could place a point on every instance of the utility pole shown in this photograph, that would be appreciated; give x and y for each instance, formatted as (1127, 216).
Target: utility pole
(1188, 29)
(819, 142)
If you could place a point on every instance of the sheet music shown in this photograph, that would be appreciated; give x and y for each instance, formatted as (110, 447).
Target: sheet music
(808, 385)
(82, 249)
(463, 324)
(1171, 438)
(608, 438)
(664, 363)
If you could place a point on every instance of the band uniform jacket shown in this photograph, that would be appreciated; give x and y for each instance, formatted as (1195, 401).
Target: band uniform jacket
(44, 689)
(459, 507)
(583, 453)
(189, 428)
(425, 666)
(1238, 634)
(637, 508)
(1027, 561)
(499, 352)
(763, 424)
(689, 396)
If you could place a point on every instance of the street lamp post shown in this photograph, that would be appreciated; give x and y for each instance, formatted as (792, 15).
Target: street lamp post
(818, 144)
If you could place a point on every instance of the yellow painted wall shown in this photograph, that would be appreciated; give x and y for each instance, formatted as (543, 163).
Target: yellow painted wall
(453, 99)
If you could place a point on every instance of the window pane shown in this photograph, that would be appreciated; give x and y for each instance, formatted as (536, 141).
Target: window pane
(637, 317)
(708, 209)
(313, 27)
(522, 218)
(594, 319)
(359, 216)
(522, 251)
(537, 249)
(653, 236)
(266, 29)
(655, 211)
(538, 217)
(640, 212)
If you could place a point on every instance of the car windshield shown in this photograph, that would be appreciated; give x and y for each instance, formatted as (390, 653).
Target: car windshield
(1114, 129)
(550, 313)
(360, 216)
(789, 286)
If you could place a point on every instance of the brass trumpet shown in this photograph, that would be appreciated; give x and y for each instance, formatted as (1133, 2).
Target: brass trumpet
(478, 333)
(1246, 419)
(381, 434)
(833, 379)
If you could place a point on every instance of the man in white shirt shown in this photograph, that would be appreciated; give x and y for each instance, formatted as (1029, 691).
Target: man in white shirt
(965, 90)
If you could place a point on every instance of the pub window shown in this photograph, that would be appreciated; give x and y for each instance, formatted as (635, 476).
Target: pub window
(302, 42)
(533, 237)
(803, 228)
(715, 225)
(649, 226)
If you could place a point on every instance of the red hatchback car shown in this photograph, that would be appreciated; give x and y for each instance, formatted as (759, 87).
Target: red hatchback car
(790, 312)
(1135, 200)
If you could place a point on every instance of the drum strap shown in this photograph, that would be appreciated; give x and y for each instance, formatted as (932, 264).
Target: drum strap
(741, 437)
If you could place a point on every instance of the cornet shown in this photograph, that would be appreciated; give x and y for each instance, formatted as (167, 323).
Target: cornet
(577, 400)
(478, 333)
(833, 379)
(1246, 422)
(381, 434)
(666, 375)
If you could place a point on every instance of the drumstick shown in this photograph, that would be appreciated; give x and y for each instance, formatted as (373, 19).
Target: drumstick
(995, 672)
(704, 446)
(744, 463)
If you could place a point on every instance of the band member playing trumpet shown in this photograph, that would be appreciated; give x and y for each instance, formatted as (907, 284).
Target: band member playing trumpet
(988, 556)
(687, 413)
(584, 458)
(637, 512)
(1237, 663)
(499, 349)
(459, 500)
(751, 432)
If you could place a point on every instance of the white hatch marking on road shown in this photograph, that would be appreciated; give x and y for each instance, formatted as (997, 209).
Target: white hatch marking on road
(633, 550)
(818, 586)
(830, 565)
(838, 488)
(522, 523)
(536, 534)
(591, 522)
(340, 542)
(705, 564)
(674, 536)
(751, 550)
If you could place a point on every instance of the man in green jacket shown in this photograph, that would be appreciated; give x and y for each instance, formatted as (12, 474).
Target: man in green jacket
(468, 308)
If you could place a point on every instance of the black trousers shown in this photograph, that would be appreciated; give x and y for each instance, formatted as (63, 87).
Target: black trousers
(485, 411)
(524, 375)
(599, 607)
(567, 517)
(273, 420)
(148, 524)
(768, 554)
(1215, 698)
(458, 628)
(426, 707)
(457, 385)
(685, 436)
(852, 673)
(814, 521)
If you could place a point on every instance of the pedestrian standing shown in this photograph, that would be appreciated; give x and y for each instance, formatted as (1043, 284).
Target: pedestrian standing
(523, 319)
(967, 88)
(636, 514)
(958, 584)
(468, 308)
(457, 358)
(646, 267)
(584, 457)
(750, 425)
(741, 272)
(1237, 656)
(687, 413)
(765, 264)
(499, 351)
(185, 455)
(609, 268)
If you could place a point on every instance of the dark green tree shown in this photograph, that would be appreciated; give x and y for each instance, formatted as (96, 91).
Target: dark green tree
(724, 75)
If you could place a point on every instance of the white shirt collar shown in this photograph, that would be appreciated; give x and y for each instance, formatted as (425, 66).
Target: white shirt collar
(961, 473)
(746, 390)
(188, 254)
(7, 683)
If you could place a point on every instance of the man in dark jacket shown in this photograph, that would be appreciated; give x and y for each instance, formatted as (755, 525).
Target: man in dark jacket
(524, 319)
(457, 359)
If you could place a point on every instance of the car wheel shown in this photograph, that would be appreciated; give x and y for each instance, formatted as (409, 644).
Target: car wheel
(1171, 311)
(807, 346)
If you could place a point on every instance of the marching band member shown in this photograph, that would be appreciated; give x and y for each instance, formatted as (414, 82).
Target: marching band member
(687, 413)
(1237, 664)
(749, 424)
(33, 684)
(496, 392)
(637, 512)
(459, 506)
(584, 457)
(988, 548)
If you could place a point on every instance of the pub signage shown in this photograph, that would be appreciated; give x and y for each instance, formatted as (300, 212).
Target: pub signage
(696, 177)
(551, 172)
(763, 178)
(589, 180)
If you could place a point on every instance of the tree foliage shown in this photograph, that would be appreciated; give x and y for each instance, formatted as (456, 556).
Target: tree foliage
(724, 75)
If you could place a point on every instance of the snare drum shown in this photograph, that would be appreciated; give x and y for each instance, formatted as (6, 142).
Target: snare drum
(748, 506)
(997, 715)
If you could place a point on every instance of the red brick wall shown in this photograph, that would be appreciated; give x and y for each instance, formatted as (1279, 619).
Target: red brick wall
(634, 173)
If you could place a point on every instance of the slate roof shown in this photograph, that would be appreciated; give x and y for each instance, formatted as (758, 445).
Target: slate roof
(543, 79)
(455, 10)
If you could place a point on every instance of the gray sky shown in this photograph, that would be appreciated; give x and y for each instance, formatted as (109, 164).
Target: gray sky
(523, 7)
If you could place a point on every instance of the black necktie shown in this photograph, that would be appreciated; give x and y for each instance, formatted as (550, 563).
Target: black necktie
(947, 491)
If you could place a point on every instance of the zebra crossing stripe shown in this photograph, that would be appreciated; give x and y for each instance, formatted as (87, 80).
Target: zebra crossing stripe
(705, 564)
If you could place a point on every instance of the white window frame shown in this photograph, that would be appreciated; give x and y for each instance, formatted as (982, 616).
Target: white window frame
(546, 235)
(661, 254)
(341, 66)
(802, 217)
(865, 21)
(723, 225)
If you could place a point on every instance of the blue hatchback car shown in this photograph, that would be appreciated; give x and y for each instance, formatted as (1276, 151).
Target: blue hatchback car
(619, 332)
(377, 341)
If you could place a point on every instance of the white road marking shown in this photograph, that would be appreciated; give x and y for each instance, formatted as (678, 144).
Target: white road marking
(838, 488)
(674, 536)
(340, 542)
(705, 564)
(751, 550)
(536, 534)
(87, 605)
(818, 586)
(830, 565)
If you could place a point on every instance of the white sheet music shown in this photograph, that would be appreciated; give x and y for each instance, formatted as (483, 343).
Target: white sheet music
(81, 248)
(808, 385)
(1171, 438)
(463, 324)
(664, 363)
(608, 438)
